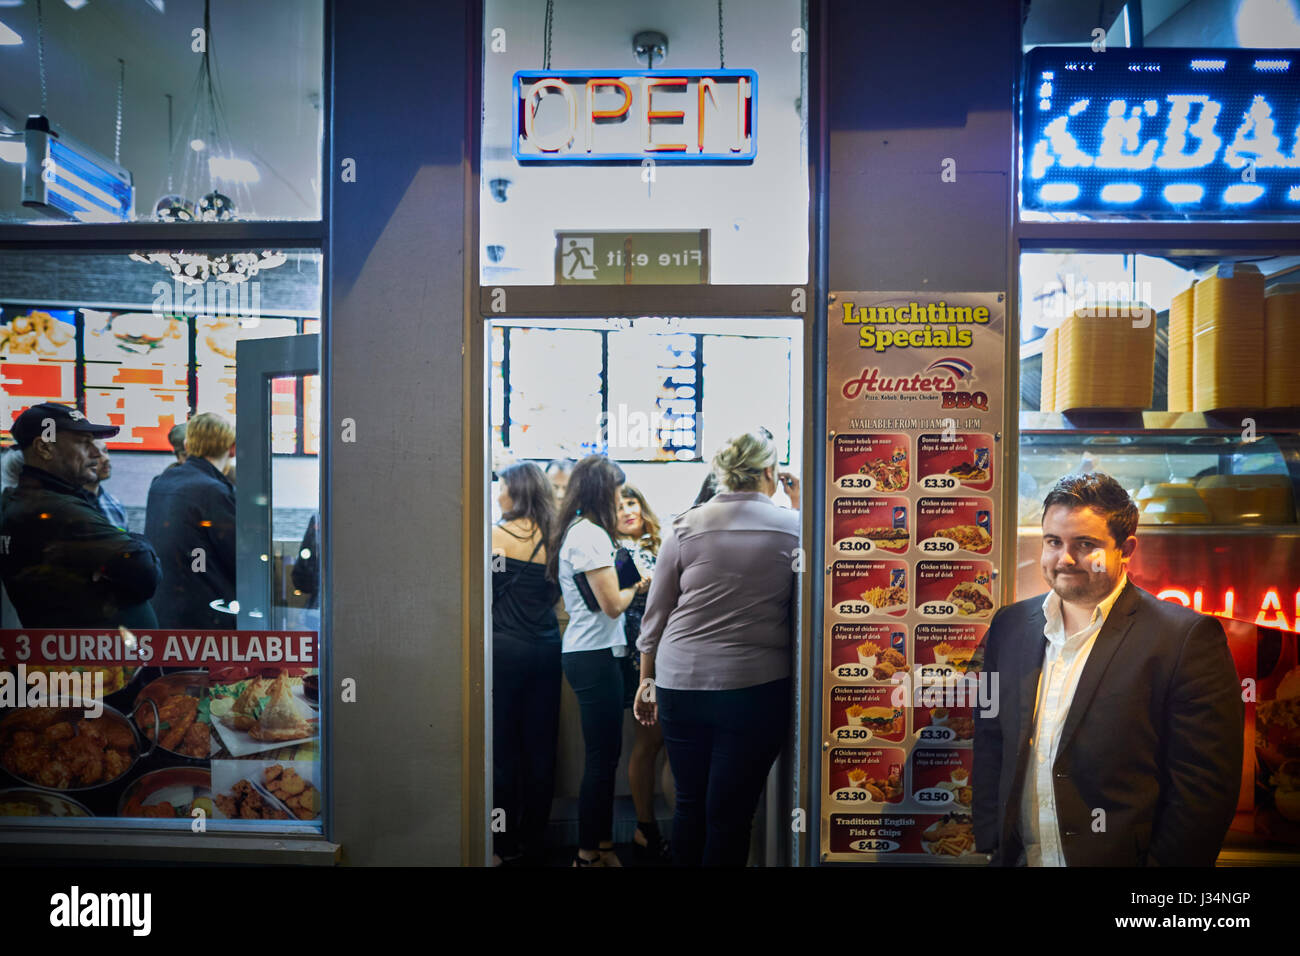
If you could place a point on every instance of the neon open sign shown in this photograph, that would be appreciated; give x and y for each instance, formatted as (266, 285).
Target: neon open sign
(1174, 131)
(617, 116)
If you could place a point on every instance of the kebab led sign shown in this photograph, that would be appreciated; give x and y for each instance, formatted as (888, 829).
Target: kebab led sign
(1191, 132)
(612, 116)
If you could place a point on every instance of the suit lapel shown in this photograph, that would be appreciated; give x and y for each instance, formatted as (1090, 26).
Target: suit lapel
(1032, 649)
(1108, 640)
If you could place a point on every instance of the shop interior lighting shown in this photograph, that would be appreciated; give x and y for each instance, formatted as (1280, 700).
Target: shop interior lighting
(76, 4)
(13, 150)
(159, 5)
(8, 37)
(233, 170)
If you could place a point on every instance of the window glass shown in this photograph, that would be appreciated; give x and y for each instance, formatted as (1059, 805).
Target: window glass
(597, 169)
(170, 608)
(240, 146)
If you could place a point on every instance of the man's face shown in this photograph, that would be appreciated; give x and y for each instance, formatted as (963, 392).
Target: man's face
(73, 456)
(1081, 561)
(105, 467)
(559, 483)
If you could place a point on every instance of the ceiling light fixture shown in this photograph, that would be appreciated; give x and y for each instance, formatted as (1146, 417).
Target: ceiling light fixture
(8, 37)
(75, 4)
(207, 130)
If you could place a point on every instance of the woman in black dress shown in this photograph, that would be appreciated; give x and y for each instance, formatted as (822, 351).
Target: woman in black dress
(525, 664)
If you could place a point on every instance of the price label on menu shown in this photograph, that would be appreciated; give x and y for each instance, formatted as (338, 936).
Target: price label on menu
(874, 846)
(935, 735)
(852, 735)
(938, 609)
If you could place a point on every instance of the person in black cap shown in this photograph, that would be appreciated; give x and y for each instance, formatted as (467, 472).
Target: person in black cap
(63, 563)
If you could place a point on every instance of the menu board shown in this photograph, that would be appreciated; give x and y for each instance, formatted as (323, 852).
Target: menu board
(914, 463)
(38, 356)
(137, 375)
(189, 729)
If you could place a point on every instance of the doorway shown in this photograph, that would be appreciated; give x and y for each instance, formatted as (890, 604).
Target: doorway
(657, 395)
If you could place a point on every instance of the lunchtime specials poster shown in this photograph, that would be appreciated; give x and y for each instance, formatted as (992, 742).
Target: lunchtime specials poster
(914, 468)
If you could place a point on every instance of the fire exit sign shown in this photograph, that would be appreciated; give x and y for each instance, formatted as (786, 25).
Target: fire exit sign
(632, 258)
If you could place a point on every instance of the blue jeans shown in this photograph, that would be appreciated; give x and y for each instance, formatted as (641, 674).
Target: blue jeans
(597, 679)
(721, 744)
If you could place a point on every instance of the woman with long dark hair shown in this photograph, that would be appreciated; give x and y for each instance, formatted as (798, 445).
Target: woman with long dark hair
(638, 530)
(582, 559)
(525, 663)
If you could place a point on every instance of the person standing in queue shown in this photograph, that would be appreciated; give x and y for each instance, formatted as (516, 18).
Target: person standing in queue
(62, 562)
(557, 473)
(582, 560)
(110, 506)
(716, 646)
(525, 664)
(190, 519)
(638, 530)
(1112, 705)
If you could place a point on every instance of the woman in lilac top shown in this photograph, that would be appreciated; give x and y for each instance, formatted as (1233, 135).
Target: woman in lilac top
(716, 650)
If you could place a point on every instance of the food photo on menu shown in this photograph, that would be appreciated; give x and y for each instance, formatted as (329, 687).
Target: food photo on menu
(267, 790)
(951, 524)
(257, 709)
(862, 525)
(869, 587)
(946, 462)
(877, 462)
(868, 650)
(954, 589)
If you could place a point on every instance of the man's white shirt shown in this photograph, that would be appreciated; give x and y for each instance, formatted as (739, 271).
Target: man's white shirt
(1063, 663)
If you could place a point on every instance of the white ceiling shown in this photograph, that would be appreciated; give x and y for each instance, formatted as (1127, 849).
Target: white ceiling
(267, 58)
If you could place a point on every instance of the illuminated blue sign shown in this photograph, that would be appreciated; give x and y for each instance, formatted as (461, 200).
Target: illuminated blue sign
(630, 116)
(67, 180)
(1161, 131)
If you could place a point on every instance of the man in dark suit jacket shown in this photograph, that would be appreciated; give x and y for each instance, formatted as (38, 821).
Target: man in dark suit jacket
(1117, 739)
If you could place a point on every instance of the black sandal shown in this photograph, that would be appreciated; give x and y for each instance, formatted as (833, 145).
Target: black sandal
(655, 851)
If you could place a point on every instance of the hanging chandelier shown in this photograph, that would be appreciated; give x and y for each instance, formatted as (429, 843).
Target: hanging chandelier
(206, 142)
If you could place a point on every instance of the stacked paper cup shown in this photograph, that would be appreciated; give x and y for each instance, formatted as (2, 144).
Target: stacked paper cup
(1282, 347)
(1228, 339)
(1180, 351)
(1105, 358)
(1047, 397)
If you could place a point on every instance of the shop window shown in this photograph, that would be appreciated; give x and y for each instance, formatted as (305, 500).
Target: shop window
(1161, 111)
(634, 393)
(202, 670)
(688, 167)
(184, 128)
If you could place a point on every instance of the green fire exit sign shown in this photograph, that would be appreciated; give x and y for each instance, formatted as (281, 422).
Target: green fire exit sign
(632, 258)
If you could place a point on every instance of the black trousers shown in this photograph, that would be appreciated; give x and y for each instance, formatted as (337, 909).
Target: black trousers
(525, 726)
(721, 744)
(597, 679)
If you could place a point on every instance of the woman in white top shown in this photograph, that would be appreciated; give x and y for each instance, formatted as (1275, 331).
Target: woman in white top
(594, 641)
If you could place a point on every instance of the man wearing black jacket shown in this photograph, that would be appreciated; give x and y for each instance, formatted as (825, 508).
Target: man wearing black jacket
(1117, 740)
(63, 563)
(190, 519)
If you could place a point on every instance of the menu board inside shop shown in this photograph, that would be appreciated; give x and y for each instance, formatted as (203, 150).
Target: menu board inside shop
(914, 465)
(191, 730)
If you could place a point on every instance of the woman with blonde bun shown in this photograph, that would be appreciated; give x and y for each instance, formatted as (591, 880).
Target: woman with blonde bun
(715, 649)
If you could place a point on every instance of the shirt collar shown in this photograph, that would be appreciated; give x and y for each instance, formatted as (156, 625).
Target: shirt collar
(1054, 628)
(742, 496)
(52, 482)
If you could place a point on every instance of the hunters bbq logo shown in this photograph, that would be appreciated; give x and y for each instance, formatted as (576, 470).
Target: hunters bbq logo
(940, 378)
(936, 325)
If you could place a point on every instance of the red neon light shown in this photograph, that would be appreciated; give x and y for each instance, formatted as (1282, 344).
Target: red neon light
(652, 114)
(1269, 614)
(609, 81)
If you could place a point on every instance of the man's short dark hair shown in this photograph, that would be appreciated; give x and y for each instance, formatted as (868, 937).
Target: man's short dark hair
(1104, 495)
